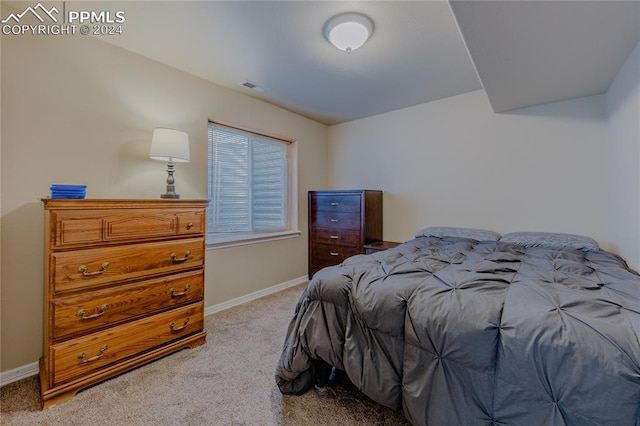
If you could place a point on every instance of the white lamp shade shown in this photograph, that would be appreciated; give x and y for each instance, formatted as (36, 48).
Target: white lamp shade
(170, 145)
(348, 31)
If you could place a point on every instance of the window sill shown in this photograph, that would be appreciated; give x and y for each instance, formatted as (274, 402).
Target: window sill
(242, 240)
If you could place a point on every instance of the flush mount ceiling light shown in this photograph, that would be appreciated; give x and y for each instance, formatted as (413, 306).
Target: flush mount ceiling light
(348, 31)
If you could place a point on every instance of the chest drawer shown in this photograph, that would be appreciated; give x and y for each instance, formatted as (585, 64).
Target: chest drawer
(333, 220)
(85, 354)
(88, 312)
(78, 269)
(191, 222)
(327, 255)
(336, 237)
(336, 203)
(81, 227)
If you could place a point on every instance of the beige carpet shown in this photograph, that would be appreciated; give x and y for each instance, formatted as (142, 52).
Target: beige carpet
(228, 381)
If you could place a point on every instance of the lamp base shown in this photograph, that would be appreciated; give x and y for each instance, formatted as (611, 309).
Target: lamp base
(171, 188)
(171, 196)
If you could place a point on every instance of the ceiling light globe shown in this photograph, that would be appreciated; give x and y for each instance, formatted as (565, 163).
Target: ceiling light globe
(348, 36)
(348, 31)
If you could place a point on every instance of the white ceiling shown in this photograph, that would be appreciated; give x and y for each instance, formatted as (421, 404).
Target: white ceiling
(523, 53)
(535, 52)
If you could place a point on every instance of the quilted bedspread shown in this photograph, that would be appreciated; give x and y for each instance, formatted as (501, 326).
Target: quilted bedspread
(458, 332)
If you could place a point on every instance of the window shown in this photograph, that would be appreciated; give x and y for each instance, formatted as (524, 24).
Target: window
(251, 188)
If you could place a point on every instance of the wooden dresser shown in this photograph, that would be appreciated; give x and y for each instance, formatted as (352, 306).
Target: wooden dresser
(124, 285)
(340, 224)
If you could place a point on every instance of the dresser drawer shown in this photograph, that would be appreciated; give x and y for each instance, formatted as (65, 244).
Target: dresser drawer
(326, 255)
(82, 227)
(336, 237)
(347, 221)
(78, 269)
(80, 356)
(192, 222)
(336, 203)
(88, 312)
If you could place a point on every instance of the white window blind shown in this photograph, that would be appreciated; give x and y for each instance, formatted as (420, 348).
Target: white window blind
(248, 185)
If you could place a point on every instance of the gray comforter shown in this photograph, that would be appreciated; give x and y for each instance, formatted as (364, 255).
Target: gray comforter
(457, 332)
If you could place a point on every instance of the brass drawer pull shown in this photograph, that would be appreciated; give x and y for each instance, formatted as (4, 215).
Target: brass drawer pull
(334, 237)
(95, 358)
(174, 294)
(189, 225)
(334, 220)
(175, 259)
(84, 269)
(333, 253)
(184, 325)
(335, 203)
(83, 313)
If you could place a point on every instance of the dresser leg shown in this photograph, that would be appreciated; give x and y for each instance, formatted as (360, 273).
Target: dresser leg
(51, 397)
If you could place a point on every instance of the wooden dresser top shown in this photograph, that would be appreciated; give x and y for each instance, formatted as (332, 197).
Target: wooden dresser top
(83, 203)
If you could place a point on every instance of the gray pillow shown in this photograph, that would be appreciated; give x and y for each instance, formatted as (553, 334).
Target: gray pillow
(448, 231)
(551, 240)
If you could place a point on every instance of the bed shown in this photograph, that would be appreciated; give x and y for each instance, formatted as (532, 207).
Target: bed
(466, 327)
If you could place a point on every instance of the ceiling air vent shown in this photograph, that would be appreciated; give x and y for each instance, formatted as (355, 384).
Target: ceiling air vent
(251, 85)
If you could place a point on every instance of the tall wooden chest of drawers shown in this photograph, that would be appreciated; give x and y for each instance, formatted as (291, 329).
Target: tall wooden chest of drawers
(340, 224)
(124, 285)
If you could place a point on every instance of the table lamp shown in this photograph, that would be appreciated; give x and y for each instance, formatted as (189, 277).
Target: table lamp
(171, 146)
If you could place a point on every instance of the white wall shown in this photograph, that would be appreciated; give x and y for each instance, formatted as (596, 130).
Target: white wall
(623, 147)
(454, 162)
(79, 110)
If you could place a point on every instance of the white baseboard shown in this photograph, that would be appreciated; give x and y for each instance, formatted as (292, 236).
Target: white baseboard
(32, 369)
(253, 296)
(19, 373)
